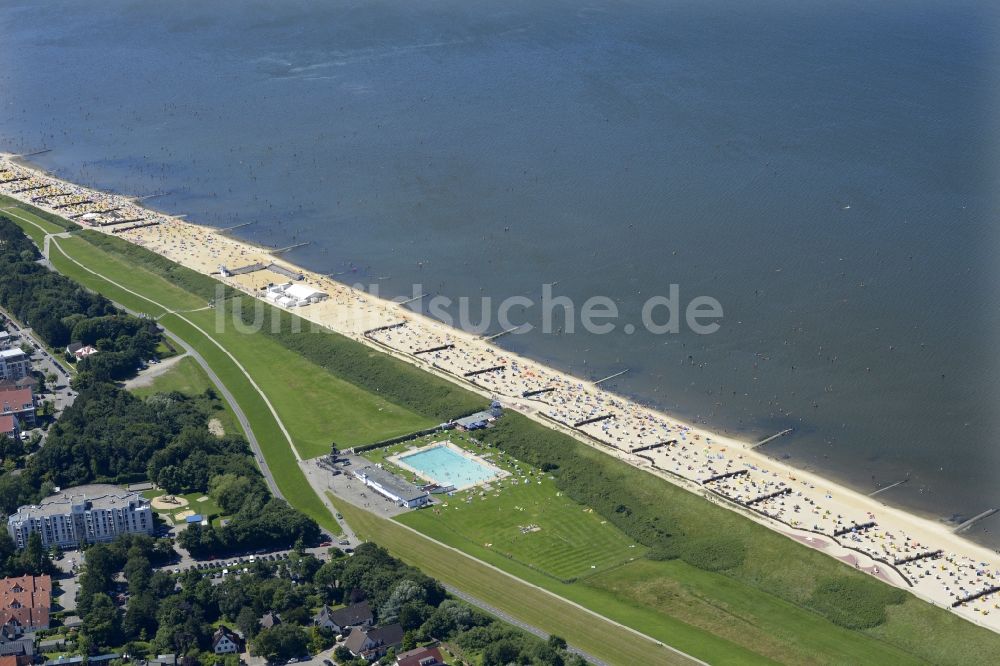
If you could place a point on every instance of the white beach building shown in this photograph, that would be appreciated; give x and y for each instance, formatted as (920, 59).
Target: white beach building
(290, 295)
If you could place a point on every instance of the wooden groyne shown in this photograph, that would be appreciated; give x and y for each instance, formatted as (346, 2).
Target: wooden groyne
(387, 327)
(483, 371)
(596, 419)
(431, 350)
(529, 394)
(727, 475)
(29, 188)
(863, 527)
(653, 447)
(764, 498)
(930, 554)
(972, 597)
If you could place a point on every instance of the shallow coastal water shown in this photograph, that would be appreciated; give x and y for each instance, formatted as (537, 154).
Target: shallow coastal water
(827, 173)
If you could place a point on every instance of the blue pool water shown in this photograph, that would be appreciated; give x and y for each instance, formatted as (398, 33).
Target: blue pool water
(447, 467)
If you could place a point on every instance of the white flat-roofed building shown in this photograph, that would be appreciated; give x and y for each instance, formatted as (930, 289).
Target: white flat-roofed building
(291, 295)
(390, 486)
(85, 514)
(14, 365)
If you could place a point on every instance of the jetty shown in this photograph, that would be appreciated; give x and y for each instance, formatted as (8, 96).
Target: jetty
(772, 438)
(236, 226)
(282, 250)
(975, 519)
(889, 487)
(409, 300)
(147, 197)
(609, 377)
(502, 333)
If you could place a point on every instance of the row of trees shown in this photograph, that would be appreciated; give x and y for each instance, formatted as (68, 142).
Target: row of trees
(60, 311)
(44, 300)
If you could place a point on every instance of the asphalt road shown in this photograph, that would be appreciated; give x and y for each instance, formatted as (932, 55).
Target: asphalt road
(237, 410)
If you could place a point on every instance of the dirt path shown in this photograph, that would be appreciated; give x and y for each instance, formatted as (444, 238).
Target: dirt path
(146, 377)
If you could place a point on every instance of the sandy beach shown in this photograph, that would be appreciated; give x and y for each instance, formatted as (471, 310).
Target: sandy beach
(921, 555)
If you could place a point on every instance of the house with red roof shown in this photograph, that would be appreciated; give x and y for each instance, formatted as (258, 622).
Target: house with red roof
(25, 603)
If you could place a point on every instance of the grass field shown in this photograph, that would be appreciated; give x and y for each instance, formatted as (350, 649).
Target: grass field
(570, 542)
(716, 617)
(573, 539)
(613, 643)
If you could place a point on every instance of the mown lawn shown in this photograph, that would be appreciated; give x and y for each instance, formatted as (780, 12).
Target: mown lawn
(526, 519)
(605, 640)
(573, 539)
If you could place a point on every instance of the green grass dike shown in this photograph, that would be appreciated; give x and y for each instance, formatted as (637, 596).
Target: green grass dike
(612, 538)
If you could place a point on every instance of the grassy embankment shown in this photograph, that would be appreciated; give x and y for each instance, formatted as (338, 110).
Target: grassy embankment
(321, 407)
(661, 595)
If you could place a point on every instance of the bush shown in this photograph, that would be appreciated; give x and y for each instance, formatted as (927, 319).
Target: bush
(713, 553)
(853, 602)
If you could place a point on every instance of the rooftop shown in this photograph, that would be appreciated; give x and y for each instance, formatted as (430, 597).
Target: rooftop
(402, 489)
(100, 496)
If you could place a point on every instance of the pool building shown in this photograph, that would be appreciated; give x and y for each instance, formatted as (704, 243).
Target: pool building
(392, 487)
(448, 466)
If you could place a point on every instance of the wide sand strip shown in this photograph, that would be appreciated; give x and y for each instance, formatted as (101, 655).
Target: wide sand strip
(859, 530)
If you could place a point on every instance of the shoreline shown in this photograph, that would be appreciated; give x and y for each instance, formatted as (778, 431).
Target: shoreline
(754, 484)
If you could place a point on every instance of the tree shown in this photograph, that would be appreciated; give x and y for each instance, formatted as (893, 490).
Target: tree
(101, 622)
(283, 641)
(247, 622)
(557, 642)
(500, 653)
(34, 560)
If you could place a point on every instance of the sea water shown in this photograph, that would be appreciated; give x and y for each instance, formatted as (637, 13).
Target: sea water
(827, 171)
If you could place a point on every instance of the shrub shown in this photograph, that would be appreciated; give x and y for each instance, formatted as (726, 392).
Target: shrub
(854, 602)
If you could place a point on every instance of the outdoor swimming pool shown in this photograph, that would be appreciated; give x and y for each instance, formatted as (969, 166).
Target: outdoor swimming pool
(448, 467)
